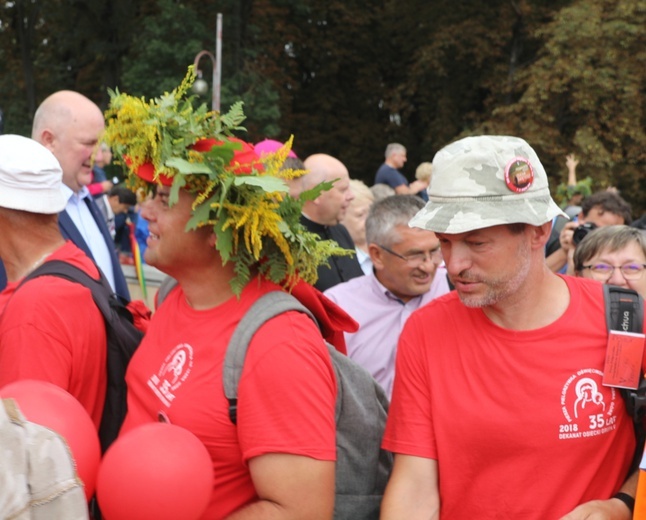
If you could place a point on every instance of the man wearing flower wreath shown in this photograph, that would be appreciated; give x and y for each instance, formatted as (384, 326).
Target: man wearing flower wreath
(222, 224)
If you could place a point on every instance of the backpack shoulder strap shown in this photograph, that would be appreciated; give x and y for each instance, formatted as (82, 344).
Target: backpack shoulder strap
(100, 289)
(266, 307)
(625, 312)
(624, 309)
(122, 339)
(168, 284)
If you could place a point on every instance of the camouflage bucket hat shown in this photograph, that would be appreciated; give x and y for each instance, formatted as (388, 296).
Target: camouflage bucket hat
(486, 181)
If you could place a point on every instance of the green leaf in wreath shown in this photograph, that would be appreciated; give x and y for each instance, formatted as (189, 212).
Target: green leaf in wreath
(224, 242)
(201, 214)
(266, 182)
(178, 183)
(185, 167)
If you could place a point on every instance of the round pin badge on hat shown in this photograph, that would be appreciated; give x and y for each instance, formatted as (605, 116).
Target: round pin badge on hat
(519, 175)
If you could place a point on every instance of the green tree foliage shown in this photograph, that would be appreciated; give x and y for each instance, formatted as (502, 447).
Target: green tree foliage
(167, 41)
(170, 38)
(453, 62)
(260, 99)
(324, 59)
(17, 57)
(585, 94)
(346, 77)
(59, 44)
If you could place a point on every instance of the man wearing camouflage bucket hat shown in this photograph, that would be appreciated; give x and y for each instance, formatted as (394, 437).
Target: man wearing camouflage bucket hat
(499, 409)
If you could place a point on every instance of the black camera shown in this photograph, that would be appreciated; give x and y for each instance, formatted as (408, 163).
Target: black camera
(581, 232)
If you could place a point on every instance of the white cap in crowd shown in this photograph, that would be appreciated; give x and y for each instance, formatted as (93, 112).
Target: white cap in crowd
(30, 176)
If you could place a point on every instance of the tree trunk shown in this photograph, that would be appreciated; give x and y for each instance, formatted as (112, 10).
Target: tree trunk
(24, 25)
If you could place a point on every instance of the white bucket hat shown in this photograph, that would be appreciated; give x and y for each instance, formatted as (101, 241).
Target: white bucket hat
(30, 176)
(486, 181)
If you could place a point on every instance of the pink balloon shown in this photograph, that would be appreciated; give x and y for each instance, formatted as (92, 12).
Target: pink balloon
(49, 405)
(157, 471)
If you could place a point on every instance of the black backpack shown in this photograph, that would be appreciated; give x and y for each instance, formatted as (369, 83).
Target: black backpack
(122, 337)
(362, 467)
(625, 312)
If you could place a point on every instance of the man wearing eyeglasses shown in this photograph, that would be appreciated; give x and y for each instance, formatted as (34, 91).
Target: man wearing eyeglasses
(406, 275)
(614, 255)
(499, 409)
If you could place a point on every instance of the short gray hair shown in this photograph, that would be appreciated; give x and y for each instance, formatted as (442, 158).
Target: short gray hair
(381, 191)
(611, 238)
(386, 214)
(394, 148)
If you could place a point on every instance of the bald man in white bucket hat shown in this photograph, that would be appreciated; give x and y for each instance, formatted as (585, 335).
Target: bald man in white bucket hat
(499, 406)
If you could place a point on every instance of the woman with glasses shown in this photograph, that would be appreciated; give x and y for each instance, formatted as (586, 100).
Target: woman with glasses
(614, 255)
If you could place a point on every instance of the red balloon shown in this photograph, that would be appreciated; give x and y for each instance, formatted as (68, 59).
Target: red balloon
(49, 405)
(157, 471)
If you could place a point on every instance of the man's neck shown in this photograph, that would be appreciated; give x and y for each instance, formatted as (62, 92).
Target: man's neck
(208, 287)
(538, 303)
(312, 219)
(362, 245)
(23, 257)
(391, 164)
(69, 192)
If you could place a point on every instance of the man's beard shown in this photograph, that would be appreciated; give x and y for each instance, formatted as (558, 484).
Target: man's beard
(498, 289)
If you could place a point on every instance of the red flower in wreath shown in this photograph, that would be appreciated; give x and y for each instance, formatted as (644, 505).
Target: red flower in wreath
(244, 161)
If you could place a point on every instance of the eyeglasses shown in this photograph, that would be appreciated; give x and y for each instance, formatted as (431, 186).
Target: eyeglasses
(629, 271)
(417, 259)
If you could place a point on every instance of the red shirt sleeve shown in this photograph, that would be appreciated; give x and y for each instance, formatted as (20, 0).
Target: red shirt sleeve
(300, 375)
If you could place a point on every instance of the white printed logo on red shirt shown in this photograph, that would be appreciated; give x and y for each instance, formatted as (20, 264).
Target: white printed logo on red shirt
(589, 408)
(173, 372)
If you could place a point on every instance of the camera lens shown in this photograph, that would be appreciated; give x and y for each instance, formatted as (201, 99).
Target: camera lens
(581, 232)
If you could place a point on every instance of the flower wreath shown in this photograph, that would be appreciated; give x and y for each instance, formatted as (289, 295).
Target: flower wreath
(165, 141)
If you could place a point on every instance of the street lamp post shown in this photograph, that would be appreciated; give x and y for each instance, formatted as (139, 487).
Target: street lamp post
(200, 86)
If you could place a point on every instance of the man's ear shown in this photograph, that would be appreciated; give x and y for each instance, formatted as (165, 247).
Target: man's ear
(47, 139)
(541, 234)
(376, 254)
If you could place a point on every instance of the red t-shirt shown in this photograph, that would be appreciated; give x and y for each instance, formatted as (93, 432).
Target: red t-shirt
(286, 395)
(51, 330)
(519, 421)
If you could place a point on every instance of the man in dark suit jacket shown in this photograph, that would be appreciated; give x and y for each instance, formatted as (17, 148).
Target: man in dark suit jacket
(70, 125)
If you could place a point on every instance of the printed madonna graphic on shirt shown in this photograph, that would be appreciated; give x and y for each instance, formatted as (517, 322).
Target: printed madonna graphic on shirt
(589, 408)
(174, 370)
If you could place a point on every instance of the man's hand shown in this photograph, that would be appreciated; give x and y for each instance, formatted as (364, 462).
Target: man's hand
(566, 236)
(418, 185)
(613, 509)
(571, 162)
